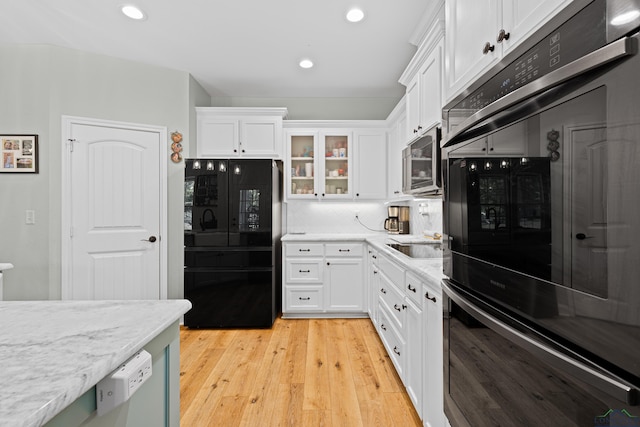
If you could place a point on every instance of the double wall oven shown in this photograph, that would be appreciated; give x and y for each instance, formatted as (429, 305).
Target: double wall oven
(541, 162)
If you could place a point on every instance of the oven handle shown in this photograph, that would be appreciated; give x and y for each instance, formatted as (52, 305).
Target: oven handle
(618, 49)
(609, 385)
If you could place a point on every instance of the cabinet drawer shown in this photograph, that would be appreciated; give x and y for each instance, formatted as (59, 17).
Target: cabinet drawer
(393, 271)
(304, 249)
(412, 288)
(304, 270)
(393, 299)
(343, 249)
(303, 298)
(391, 340)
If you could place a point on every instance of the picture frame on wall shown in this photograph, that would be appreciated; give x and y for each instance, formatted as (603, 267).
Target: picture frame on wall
(18, 153)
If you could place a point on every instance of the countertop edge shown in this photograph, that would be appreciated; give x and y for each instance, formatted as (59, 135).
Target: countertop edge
(88, 377)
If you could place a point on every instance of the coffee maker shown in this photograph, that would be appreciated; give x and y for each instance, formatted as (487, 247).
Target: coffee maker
(398, 220)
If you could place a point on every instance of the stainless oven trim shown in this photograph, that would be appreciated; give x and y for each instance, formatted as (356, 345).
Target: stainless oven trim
(609, 385)
(616, 50)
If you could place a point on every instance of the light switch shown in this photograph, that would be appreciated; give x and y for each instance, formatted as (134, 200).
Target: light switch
(30, 217)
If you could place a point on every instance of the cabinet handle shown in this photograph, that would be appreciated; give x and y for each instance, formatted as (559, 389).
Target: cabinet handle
(375, 257)
(419, 127)
(411, 288)
(488, 47)
(383, 290)
(304, 271)
(235, 151)
(375, 271)
(427, 296)
(396, 192)
(328, 263)
(322, 194)
(243, 150)
(344, 250)
(304, 250)
(396, 307)
(357, 194)
(395, 350)
(415, 131)
(304, 299)
(484, 148)
(316, 194)
(491, 149)
(384, 328)
(503, 35)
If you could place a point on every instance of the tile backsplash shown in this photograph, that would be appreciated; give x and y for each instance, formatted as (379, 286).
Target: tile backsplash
(340, 217)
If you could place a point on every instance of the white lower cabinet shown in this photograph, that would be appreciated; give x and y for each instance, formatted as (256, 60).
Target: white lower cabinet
(432, 386)
(323, 278)
(409, 322)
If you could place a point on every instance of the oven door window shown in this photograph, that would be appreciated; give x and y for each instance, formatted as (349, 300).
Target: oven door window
(545, 196)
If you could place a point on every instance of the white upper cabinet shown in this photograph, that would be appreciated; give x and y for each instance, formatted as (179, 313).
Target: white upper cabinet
(239, 132)
(424, 88)
(370, 167)
(481, 32)
(341, 163)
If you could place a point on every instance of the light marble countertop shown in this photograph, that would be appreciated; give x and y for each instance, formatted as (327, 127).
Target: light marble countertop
(52, 352)
(5, 266)
(430, 269)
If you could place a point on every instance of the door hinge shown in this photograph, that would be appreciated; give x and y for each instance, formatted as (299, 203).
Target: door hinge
(70, 142)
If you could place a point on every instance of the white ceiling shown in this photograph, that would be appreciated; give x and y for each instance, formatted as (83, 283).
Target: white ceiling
(239, 48)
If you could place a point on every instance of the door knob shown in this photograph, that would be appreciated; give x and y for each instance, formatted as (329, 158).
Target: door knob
(150, 239)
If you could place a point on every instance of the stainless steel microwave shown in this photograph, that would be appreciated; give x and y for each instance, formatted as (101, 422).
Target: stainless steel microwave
(421, 165)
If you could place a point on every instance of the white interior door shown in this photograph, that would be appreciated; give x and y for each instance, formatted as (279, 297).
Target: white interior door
(113, 211)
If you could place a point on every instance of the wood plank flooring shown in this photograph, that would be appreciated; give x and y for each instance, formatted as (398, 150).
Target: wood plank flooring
(302, 372)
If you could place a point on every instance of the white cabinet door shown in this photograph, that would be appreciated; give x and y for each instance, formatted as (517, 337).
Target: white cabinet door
(300, 182)
(370, 166)
(433, 405)
(430, 75)
(260, 137)
(413, 109)
(335, 170)
(217, 138)
(397, 143)
(373, 285)
(414, 359)
(345, 284)
(470, 24)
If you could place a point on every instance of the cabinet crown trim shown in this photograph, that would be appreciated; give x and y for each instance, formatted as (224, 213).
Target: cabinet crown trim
(243, 111)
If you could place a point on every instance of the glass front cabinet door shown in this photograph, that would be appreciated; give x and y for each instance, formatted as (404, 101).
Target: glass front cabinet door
(319, 165)
(302, 148)
(336, 159)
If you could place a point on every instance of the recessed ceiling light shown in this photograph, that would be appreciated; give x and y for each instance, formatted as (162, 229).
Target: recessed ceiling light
(133, 12)
(625, 18)
(306, 63)
(355, 15)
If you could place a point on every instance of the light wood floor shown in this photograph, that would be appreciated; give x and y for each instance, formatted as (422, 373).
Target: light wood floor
(303, 372)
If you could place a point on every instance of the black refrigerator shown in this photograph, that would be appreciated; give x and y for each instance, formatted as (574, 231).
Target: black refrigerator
(232, 230)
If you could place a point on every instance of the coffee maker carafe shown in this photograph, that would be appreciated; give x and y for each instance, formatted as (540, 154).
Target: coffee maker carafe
(398, 220)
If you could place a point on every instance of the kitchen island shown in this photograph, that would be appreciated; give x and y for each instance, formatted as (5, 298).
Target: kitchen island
(53, 353)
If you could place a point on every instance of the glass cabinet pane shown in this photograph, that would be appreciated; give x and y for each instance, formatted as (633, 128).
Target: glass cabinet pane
(302, 165)
(336, 167)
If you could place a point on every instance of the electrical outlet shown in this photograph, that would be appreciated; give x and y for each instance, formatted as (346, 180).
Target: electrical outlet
(117, 387)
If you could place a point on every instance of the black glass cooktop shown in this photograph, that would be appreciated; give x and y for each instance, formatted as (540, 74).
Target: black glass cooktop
(418, 250)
